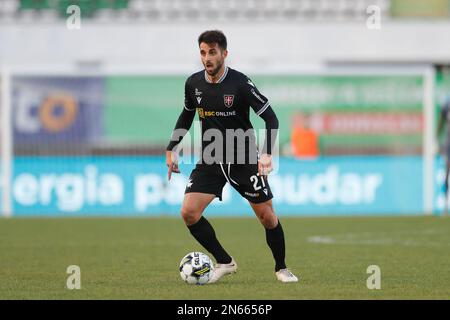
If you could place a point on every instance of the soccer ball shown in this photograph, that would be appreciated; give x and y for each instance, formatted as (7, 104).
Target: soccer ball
(196, 268)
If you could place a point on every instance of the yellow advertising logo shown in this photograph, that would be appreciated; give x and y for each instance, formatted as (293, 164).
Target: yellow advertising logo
(205, 113)
(200, 112)
(47, 109)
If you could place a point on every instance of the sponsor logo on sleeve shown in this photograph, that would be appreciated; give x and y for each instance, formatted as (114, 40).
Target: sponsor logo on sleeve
(257, 96)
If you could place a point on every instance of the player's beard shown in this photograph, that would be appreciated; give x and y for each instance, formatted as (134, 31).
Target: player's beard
(214, 72)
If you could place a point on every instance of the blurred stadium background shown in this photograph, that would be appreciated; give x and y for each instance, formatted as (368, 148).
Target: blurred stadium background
(86, 113)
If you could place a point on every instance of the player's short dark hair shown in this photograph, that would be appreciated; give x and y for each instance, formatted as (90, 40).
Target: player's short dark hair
(213, 36)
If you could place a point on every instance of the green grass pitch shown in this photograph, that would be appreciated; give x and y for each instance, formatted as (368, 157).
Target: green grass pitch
(137, 258)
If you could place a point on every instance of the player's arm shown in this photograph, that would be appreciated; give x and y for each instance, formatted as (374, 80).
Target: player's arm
(262, 108)
(442, 118)
(182, 126)
(271, 121)
(441, 123)
(440, 127)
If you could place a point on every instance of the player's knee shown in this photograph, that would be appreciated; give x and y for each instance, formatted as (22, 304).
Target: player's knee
(269, 221)
(267, 217)
(190, 214)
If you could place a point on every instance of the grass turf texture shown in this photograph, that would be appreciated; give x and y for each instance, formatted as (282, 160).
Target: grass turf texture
(137, 258)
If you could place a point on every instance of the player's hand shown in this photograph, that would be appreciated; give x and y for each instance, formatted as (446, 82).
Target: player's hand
(172, 163)
(264, 164)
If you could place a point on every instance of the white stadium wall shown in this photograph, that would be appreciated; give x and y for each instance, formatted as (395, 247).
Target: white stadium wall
(281, 47)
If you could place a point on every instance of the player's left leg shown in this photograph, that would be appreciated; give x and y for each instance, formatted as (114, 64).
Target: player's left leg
(255, 188)
(275, 238)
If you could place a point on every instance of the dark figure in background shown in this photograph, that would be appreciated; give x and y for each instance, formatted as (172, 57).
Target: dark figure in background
(444, 121)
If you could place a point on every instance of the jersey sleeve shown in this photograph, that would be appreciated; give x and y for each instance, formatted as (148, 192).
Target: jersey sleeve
(184, 121)
(254, 98)
(188, 104)
(445, 108)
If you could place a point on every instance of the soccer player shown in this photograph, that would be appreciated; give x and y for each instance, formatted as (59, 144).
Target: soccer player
(222, 97)
(444, 120)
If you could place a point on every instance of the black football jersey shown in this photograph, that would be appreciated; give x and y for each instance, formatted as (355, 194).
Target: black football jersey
(445, 114)
(223, 109)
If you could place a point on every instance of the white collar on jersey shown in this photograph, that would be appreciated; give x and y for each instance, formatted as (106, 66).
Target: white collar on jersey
(221, 78)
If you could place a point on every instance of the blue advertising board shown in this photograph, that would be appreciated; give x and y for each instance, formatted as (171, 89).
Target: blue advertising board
(57, 109)
(137, 185)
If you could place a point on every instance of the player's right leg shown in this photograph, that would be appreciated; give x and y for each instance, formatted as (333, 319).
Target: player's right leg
(204, 185)
(193, 206)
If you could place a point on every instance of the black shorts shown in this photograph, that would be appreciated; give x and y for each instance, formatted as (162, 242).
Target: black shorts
(243, 177)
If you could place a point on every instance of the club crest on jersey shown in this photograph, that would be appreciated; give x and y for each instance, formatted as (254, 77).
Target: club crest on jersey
(228, 100)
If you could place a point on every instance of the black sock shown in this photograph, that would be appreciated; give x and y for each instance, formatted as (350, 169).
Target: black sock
(275, 240)
(204, 233)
